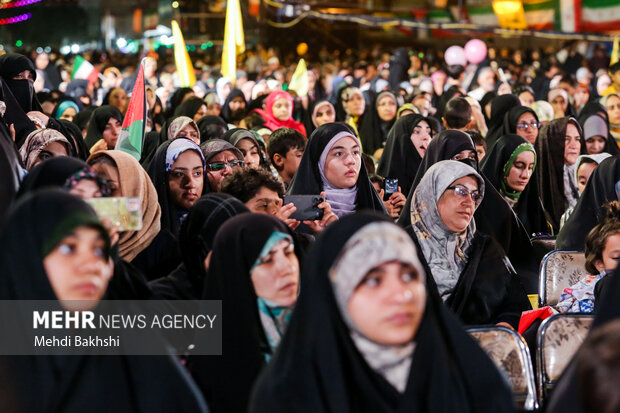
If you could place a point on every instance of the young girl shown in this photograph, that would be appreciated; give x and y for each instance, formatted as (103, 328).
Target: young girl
(55, 248)
(278, 112)
(602, 251)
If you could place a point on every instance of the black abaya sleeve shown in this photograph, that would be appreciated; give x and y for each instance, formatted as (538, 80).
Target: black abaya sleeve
(488, 292)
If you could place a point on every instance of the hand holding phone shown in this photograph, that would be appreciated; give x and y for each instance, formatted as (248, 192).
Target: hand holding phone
(306, 207)
(390, 187)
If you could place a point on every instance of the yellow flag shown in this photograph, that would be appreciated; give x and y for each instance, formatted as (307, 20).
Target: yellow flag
(614, 52)
(185, 69)
(510, 14)
(234, 42)
(299, 81)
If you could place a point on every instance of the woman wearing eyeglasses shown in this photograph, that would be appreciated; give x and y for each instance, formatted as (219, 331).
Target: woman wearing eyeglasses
(222, 159)
(509, 166)
(522, 121)
(494, 217)
(468, 269)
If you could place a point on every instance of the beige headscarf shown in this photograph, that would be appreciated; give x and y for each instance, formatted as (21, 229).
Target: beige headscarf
(179, 124)
(37, 141)
(135, 182)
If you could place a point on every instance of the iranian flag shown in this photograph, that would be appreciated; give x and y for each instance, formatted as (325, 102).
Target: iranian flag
(83, 69)
(132, 132)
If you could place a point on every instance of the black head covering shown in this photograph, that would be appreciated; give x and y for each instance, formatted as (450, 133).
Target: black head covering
(175, 99)
(318, 368)
(488, 97)
(373, 130)
(255, 103)
(53, 383)
(307, 179)
(550, 170)
(499, 107)
(15, 115)
(40, 221)
(233, 136)
(226, 112)
(227, 380)
(98, 120)
(73, 133)
(196, 237)
(611, 147)
(11, 64)
(602, 187)
(157, 171)
(494, 216)
(528, 208)
(400, 158)
(211, 127)
(592, 108)
(53, 172)
(10, 167)
(512, 117)
(151, 142)
(77, 88)
(189, 107)
(83, 117)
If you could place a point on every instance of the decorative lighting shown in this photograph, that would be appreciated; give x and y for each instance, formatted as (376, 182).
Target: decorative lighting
(121, 42)
(175, 4)
(75, 48)
(19, 3)
(19, 43)
(15, 19)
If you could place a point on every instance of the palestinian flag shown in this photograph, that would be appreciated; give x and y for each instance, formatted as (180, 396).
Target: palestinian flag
(132, 132)
(83, 69)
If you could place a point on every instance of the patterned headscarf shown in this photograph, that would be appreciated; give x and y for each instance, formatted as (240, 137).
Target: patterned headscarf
(37, 141)
(179, 124)
(444, 250)
(88, 173)
(177, 147)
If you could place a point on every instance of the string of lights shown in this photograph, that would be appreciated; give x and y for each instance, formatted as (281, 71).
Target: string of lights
(376, 21)
(18, 3)
(15, 19)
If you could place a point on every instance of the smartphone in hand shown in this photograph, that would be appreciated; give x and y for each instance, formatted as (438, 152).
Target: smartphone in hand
(307, 207)
(390, 187)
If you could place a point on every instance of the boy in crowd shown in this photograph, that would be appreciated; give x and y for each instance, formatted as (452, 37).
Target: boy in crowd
(285, 148)
(457, 114)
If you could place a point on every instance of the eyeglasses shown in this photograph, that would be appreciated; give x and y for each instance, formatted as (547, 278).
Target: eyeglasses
(462, 192)
(526, 126)
(218, 166)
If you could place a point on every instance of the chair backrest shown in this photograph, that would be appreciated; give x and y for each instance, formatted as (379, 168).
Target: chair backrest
(559, 337)
(559, 270)
(510, 354)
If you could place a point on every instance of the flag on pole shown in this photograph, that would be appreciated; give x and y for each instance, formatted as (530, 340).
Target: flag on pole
(614, 52)
(299, 81)
(234, 42)
(83, 69)
(132, 132)
(185, 69)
